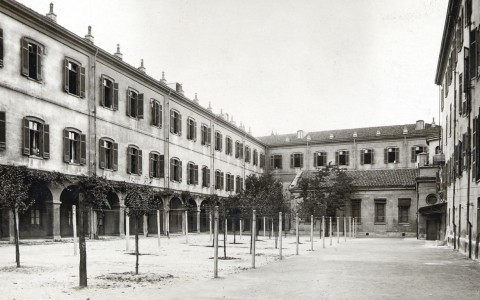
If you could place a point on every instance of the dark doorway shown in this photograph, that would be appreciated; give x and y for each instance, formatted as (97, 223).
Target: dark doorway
(69, 197)
(432, 230)
(176, 211)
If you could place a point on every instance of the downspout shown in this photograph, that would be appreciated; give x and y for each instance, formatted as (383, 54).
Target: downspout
(418, 197)
(94, 67)
(468, 154)
(166, 131)
(455, 166)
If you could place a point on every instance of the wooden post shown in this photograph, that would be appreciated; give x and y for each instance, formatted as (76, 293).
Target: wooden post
(127, 230)
(210, 224)
(158, 227)
(254, 231)
(241, 228)
(198, 219)
(280, 233)
(350, 227)
(18, 222)
(345, 229)
(74, 222)
(264, 226)
(272, 229)
(311, 232)
(296, 233)
(226, 230)
(186, 226)
(215, 248)
(330, 231)
(338, 230)
(323, 231)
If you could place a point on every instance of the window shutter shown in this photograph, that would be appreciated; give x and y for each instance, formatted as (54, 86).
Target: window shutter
(115, 96)
(82, 82)
(172, 121)
(160, 115)
(362, 157)
(25, 62)
(150, 164)
(139, 162)
(397, 155)
(209, 136)
(241, 150)
(347, 158)
(208, 177)
(221, 142)
(180, 171)
(39, 63)
(222, 181)
(46, 141)
(172, 170)
(3, 130)
(129, 105)
(189, 169)
(336, 157)
(153, 122)
(83, 149)
(115, 156)
(291, 161)
(315, 159)
(1, 47)
(372, 155)
(102, 91)
(301, 160)
(140, 106)
(195, 131)
(129, 161)
(413, 156)
(179, 120)
(385, 156)
(101, 154)
(66, 146)
(161, 166)
(196, 174)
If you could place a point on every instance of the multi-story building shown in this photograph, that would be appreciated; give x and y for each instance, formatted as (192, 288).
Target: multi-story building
(457, 76)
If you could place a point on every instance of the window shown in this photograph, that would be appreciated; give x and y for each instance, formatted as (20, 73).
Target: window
(319, 159)
(356, 208)
(205, 177)
(230, 183)
(134, 160)
(108, 93)
(157, 165)
(74, 78)
(342, 158)
(239, 184)
(472, 57)
(248, 156)
(218, 141)
(36, 138)
(296, 160)
(175, 169)
(74, 147)
(34, 216)
(206, 135)
(461, 104)
(366, 157)
(255, 157)
(3, 130)
(228, 146)
(219, 183)
(391, 155)
(1, 48)
(32, 59)
(238, 150)
(262, 160)
(380, 210)
(175, 122)
(415, 150)
(191, 129)
(276, 161)
(157, 113)
(403, 208)
(192, 173)
(108, 154)
(431, 199)
(134, 104)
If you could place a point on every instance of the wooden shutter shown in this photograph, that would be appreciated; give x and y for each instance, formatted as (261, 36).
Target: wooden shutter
(172, 120)
(397, 155)
(474, 149)
(129, 104)
(362, 157)
(129, 161)
(115, 156)
(180, 171)
(1, 47)
(139, 162)
(25, 58)
(66, 146)
(301, 160)
(337, 154)
(179, 121)
(209, 136)
(102, 91)
(189, 172)
(3, 131)
(347, 158)
(154, 121)
(161, 166)
(315, 159)
(101, 154)
(140, 106)
(150, 164)
(83, 149)
(291, 161)
(196, 174)
(372, 155)
(385, 155)
(115, 96)
(208, 177)
(39, 63)
(172, 169)
(222, 181)
(195, 131)
(46, 141)
(82, 82)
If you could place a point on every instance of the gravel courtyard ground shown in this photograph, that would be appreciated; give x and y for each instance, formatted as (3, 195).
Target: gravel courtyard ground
(359, 268)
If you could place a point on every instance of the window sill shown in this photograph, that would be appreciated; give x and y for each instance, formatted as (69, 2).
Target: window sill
(404, 224)
(74, 95)
(33, 79)
(379, 223)
(109, 108)
(35, 157)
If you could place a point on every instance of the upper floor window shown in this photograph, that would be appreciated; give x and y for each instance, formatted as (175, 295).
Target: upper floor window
(32, 59)
(74, 146)
(175, 169)
(205, 176)
(156, 113)
(1, 47)
(230, 183)
(108, 154)
(392, 155)
(262, 160)
(134, 160)
(228, 146)
(218, 141)
(192, 173)
(366, 157)
(191, 129)
(276, 161)
(415, 150)
(108, 93)
(342, 158)
(134, 104)
(206, 135)
(238, 150)
(175, 122)
(74, 78)
(296, 160)
(239, 184)
(219, 180)
(36, 138)
(255, 157)
(3, 130)
(319, 159)
(157, 165)
(248, 155)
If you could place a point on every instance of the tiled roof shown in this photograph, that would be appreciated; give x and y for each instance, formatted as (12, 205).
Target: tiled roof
(347, 134)
(383, 178)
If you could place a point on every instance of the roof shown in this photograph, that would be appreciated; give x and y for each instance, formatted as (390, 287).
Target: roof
(342, 135)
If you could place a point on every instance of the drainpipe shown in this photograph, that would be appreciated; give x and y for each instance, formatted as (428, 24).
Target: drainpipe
(94, 67)
(468, 154)
(455, 169)
(166, 131)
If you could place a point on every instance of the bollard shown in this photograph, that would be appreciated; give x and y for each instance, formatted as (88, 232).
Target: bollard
(158, 227)
(264, 226)
(186, 226)
(311, 232)
(345, 229)
(74, 221)
(215, 243)
(241, 227)
(323, 231)
(280, 233)
(254, 231)
(296, 232)
(338, 230)
(272, 229)
(127, 230)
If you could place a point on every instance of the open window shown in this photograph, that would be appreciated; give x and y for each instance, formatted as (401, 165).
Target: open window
(192, 173)
(342, 158)
(391, 155)
(366, 157)
(74, 79)
(175, 169)
(205, 176)
(108, 154)
(36, 138)
(296, 160)
(74, 146)
(134, 104)
(134, 160)
(191, 129)
(108, 93)
(276, 161)
(157, 165)
(32, 52)
(218, 141)
(319, 159)
(175, 122)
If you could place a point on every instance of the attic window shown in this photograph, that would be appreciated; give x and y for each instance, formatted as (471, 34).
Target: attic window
(378, 133)
(331, 135)
(405, 130)
(287, 140)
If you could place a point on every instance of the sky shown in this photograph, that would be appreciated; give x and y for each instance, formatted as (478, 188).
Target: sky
(279, 65)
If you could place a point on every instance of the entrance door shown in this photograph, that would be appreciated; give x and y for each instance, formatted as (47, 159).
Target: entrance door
(432, 230)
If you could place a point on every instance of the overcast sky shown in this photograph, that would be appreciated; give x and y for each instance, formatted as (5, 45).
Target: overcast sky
(279, 65)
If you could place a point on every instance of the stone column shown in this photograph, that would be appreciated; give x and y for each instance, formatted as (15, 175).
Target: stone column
(198, 218)
(184, 223)
(145, 226)
(56, 220)
(121, 220)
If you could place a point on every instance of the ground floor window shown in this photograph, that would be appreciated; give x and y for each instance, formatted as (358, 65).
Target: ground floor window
(403, 209)
(380, 210)
(356, 209)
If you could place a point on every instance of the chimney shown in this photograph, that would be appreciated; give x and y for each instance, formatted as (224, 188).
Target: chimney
(118, 54)
(209, 108)
(89, 36)
(355, 134)
(250, 130)
(300, 134)
(179, 88)
(195, 100)
(163, 80)
(405, 130)
(142, 67)
(420, 125)
(51, 15)
(433, 123)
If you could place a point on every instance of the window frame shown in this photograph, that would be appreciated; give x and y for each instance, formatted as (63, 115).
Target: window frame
(344, 153)
(255, 157)
(176, 163)
(114, 93)
(134, 160)
(219, 180)
(205, 177)
(404, 210)
(191, 129)
(248, 154)
(206, 135)
(25, 59)
(175, 122)
(356, 210)
(380, 203)
(395, 150)
(139, 102)
(275, 158)
(262, 160)
(81, 151)
(316, 156)
(113, 158)
(363, 153)
(43, 138)
(80, 78)
(159, 171)
(414, 152)
(192, 173)
(156, 113)
(218, 141)
(228, 146)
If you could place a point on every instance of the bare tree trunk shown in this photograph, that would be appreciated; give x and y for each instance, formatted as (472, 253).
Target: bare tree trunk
(81, 242)
(276, 235)
(251, 236)
(15, 232)
(234, 235)
(136, 245)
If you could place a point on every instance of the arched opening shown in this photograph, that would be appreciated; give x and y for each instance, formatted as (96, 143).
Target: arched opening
(205, 216)
(176, 211)
(152, 217)
(192, 215)
(108, 219)
(132, 219)
(36, 221)
(68, 198)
